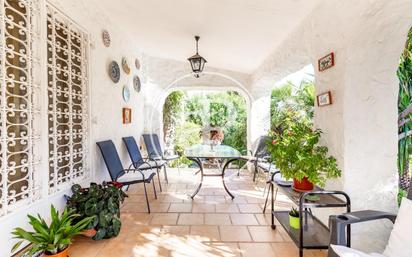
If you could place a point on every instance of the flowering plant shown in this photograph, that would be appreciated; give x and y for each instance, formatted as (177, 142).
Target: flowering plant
(295, 151)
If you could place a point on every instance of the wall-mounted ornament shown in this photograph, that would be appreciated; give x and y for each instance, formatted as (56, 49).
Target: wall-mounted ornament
(114, 71)
(136, 83)
(126, 94)
(137, 63)
(326, 62)
(324, 99)
(106, 38)
(127, 115)
(125, 66)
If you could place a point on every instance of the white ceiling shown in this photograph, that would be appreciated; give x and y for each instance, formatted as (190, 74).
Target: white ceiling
(235, 34)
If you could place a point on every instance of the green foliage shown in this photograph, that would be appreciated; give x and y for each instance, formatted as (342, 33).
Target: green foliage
(405, 117)
(187, 134)
(296, 153)
(53, 238)
(102, 204)
(172, 114)
(294, 212)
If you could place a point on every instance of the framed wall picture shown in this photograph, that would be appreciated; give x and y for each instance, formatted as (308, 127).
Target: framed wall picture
(324, 99)
(127, 115)
(326, 62)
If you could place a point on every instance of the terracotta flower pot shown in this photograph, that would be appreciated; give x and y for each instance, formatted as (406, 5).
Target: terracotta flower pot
(63, 253)
(89, 232)
(303, 185)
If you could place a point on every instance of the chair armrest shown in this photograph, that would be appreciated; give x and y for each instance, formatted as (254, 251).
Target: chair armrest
(338, 223)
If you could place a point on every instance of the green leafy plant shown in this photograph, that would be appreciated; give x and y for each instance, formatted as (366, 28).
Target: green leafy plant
(53, 238)
(294, 212)
(102, 204)
(296, 153)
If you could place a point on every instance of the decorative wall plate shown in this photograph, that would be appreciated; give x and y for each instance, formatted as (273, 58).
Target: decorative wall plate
(125, 66)
(137, 64)
(114, 71)
(126, 94)
(136, 83)
(106, 38)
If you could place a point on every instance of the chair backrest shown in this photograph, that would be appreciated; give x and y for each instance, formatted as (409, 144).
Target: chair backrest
(111, 158)
(260, 147)
(133, 149)
(153, 145)
(410, 192)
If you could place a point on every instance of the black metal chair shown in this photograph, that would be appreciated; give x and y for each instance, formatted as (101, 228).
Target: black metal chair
(154, 151)
(258, 155)
(339, 224)
(138, 161)
(125, 176)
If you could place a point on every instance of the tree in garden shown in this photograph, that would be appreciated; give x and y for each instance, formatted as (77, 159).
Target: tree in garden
(172, 115)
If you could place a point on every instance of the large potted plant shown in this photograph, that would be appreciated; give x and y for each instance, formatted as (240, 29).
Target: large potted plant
(54, 239)
(296, 152)
(102, 204)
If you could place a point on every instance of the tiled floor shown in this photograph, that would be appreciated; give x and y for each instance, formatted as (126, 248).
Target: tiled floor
(210, 225)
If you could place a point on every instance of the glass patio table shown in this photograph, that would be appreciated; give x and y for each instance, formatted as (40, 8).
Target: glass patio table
(201, 152)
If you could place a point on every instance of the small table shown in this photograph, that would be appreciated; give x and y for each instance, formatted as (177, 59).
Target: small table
(313, 234)
(200, 152)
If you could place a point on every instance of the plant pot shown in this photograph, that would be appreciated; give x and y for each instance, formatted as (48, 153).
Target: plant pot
(303, 186)
(294, 222)
(63, 253)
(89, 232)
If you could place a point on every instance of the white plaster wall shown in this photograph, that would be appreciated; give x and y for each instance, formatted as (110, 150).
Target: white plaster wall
(360, 128)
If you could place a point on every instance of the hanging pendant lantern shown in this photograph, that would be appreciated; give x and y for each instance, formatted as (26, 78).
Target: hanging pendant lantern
(196, 61)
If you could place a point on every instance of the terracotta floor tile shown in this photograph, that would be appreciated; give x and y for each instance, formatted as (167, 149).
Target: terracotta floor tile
(214, 199)
(265, 234)
(164, 219)
(135, 219)
(217, 219)
(243, 219)
(191, 219)
(203, 208)
(213, 249)
(180, 207)
(285, 249)
(258, 249)
(205, 233)
(134, 207)
(176, 230)
(227, 208)
(265, 219)
(250, 208)
(234, 234)
(159, 207)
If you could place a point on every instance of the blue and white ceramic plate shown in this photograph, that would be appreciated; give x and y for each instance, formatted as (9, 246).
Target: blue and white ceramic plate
(136, 83)
(114, 71)
(126, 94)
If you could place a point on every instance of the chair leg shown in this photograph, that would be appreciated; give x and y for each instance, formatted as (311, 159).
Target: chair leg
(158, 178)
(147, 198)
(154, 189)
(165, 171)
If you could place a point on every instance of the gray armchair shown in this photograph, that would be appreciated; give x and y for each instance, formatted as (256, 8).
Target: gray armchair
(338, 224)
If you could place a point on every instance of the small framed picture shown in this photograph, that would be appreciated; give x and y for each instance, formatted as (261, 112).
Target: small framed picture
(127, 115)
(326, 62)
(324, 99)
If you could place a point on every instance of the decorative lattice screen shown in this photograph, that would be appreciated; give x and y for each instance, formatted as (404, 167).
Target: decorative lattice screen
(17, 159)
(67, 57)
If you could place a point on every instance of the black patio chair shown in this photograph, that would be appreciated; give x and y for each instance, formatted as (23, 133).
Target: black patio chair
(125, 176)
(339, 225)
(258, 155)
(154, 151)
(142, 163)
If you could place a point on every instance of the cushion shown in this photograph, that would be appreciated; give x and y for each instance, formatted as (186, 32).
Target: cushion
(136, 176)
(344, 251)
(171, 157)
(151, 164)
(400, 240)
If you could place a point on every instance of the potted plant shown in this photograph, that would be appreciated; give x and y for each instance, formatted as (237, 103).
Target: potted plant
(102, 204)
(295, 151)
(54, 239)
(294, 218)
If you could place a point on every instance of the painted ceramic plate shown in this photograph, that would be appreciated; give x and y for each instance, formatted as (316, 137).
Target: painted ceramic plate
(106, 38)
(137, 64)
(114, 71)
(126, 94)
(136, 83)
(125, 66)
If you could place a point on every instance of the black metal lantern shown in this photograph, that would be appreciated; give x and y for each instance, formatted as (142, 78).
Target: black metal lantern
(196, 61)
